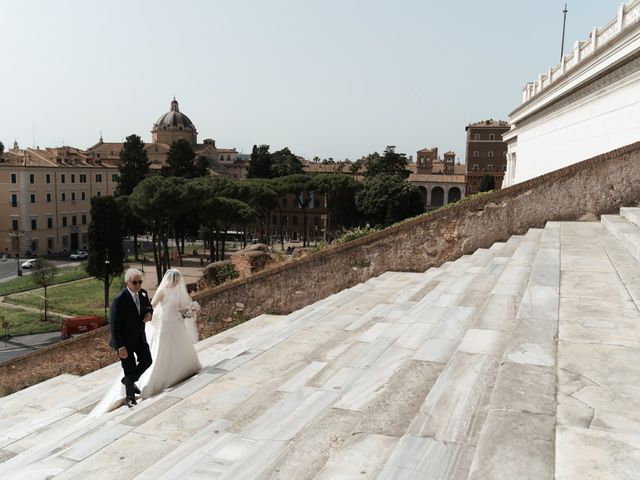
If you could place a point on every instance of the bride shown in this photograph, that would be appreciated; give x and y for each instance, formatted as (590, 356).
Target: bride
(172, 333)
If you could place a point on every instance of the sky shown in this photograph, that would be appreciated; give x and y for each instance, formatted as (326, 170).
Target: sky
(329, 78)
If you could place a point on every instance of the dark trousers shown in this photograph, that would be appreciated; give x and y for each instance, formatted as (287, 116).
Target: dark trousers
(133, 370)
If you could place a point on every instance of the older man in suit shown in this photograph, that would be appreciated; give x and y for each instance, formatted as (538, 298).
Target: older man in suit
(130, 309)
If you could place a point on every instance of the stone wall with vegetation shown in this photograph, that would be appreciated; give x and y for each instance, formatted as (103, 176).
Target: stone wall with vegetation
(584, 190)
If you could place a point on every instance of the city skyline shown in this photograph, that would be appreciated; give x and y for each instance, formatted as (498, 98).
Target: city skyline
(338, 80)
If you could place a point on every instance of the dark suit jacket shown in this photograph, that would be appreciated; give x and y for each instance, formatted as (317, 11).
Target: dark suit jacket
(127, 325)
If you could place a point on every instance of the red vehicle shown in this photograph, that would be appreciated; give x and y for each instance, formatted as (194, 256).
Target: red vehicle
(73, 325)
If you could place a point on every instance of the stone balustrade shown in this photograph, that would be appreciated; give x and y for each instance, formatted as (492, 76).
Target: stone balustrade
(628, 16)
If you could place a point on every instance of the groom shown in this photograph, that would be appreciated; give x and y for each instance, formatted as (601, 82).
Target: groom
(130, 310)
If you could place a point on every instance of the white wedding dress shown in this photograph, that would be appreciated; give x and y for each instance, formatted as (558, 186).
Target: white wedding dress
(171, 334)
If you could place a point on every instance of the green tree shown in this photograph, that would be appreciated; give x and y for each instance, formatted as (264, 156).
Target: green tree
(134, 167)
(339, 192)
(263, 198)
(1, 149)
(302, 187)
(151, 201)
(284, 163)
(487, 183)
(180, 161)
(106, 255)
(386, 199)
(391, 163)
(260, 162)
(44, 273)
(202, 167)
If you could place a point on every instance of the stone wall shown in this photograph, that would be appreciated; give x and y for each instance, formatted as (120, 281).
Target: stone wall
(589, 188)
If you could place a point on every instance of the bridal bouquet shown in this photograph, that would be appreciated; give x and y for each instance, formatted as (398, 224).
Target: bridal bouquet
(189, 316)
(191, 310)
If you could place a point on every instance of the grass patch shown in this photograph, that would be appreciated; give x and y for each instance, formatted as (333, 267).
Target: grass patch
(21, 284)
(23, 323)
(85, 297)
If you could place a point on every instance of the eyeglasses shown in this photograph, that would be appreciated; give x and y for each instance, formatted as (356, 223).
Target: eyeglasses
(136, 282)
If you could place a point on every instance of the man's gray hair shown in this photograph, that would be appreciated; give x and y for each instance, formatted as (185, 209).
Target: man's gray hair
(130, 273)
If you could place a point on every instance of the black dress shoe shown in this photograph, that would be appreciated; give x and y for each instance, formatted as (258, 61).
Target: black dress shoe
(136, 390)
(130, 402)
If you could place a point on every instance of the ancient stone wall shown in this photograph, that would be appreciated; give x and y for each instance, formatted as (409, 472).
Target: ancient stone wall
(590, 188)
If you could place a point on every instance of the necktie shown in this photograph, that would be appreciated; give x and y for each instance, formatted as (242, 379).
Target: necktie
(137, 300)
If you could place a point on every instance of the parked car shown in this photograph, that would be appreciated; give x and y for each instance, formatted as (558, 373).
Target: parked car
(28, 263)
(79, 255)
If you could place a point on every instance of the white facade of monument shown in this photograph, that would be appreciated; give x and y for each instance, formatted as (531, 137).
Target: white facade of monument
(587, 105)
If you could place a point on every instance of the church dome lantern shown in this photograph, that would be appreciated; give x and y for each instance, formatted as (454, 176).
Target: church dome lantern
(172, 126)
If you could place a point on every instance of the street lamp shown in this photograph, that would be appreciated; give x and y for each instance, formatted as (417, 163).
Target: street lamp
(106, 284)
(18, 263)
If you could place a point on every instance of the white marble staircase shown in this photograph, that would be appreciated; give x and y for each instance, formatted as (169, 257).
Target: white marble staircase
(519, 361)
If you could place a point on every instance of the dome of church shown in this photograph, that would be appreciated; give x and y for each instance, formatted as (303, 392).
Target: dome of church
(174, 119)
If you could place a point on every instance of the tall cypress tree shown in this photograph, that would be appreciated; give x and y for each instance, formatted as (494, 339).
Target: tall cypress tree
(134, 166)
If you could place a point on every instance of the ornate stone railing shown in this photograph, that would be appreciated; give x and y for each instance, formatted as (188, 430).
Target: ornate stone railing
(628, 16)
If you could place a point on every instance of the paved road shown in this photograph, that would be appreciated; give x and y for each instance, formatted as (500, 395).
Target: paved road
(9, 268)
(22, 344)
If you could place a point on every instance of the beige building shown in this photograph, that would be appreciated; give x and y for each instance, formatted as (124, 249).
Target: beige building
(47, 192)
(47, 195)
(170, 127)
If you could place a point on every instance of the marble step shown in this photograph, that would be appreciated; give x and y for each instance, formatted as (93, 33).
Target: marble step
(521, 410)
(598, 414)
(441, 438)
(628, 233)
(632, 214)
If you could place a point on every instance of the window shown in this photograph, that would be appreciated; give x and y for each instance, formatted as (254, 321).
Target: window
(62, 178)
(32, 178)
(492, 136)
(476, 154)
(14, 178)
(73, 196)
(82, 196)
(32, 198)
(64, 221)
(115, 177)
(490, 168)
(98, 178)
(14, 224)
(84, 219)
(83, 178)
(14, 199)
(490, 154)
(49, 243)
(47, 178)
(65, 242)
(63, 197)
(476, 166)
(49, 222)
(34, 224)
(476, 136)
(34, 245)
(74, 220)
(73, 178)
(98, 194)
(48, 198)
(294, 220)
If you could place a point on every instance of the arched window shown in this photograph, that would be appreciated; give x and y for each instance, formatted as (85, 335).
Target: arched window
(437, 197)
(454, 194)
